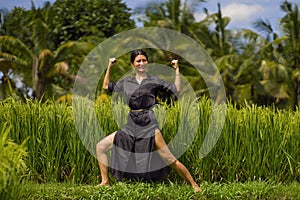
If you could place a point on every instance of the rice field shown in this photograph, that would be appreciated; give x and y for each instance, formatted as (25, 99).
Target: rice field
(257, 144)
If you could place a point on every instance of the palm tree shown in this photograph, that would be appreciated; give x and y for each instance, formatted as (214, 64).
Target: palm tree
(266, 70)
(290, 24)
(46, 65)
(223, 46)
(6, 83)
(9, 65)
(278, 56)
(219, 38)
(36, 59)
(267, 67)
(172, 14)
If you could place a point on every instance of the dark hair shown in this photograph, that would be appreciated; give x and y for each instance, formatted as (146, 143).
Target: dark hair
(135, 53)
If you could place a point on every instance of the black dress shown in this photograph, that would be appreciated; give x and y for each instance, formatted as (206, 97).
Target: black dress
(133, 153)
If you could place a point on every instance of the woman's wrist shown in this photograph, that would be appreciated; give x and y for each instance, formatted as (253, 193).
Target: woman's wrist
(109, 66)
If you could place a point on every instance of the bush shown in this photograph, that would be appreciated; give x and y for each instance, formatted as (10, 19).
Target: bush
(12, 165)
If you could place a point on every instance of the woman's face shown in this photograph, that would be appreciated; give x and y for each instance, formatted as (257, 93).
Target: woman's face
(140, 63)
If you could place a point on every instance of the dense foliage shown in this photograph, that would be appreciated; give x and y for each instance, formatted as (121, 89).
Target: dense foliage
(258, 67)
(75, 20)
(41, 49)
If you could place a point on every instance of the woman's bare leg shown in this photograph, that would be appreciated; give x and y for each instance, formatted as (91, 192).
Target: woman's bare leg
(171, 160)
(101, 148)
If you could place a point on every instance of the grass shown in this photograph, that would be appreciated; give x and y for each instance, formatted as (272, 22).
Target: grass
(249, 190)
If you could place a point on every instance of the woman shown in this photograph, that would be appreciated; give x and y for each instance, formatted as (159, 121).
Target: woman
(140, 135)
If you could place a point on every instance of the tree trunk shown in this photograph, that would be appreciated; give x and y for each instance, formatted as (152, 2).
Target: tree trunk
(3, 87)
(297, 94)
(35, 65)
(40, 89)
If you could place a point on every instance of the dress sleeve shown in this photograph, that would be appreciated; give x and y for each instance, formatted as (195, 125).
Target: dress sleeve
(167, 88)
(116, 86)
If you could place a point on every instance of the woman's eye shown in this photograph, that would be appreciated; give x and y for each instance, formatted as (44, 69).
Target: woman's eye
(141, 61)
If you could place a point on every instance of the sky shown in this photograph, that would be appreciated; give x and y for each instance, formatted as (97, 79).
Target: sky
(242, 12)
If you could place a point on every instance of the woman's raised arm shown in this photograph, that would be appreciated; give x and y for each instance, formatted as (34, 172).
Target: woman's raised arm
(177, 74)
(106, 80)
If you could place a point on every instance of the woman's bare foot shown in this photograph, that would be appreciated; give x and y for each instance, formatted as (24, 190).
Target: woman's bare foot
(103, 184)
(197, 188)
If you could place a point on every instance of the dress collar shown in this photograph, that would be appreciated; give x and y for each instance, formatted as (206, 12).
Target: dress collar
(134, 79)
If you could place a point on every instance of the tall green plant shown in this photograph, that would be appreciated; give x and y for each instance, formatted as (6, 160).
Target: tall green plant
(256, 143)
(12, 164)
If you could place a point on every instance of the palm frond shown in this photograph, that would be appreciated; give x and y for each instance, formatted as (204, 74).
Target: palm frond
(15, 46)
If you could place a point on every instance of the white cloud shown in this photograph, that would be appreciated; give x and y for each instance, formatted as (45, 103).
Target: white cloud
(199, 16)
(242, 12)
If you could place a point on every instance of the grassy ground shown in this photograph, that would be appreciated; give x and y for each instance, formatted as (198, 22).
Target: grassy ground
(250, 190)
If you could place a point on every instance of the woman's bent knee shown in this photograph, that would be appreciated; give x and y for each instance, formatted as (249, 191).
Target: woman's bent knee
(100, 147)
(105, 144)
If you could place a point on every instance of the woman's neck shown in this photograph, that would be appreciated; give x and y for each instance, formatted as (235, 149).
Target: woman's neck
(140, 76)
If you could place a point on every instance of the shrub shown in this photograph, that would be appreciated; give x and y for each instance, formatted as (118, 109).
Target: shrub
(12, 165)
